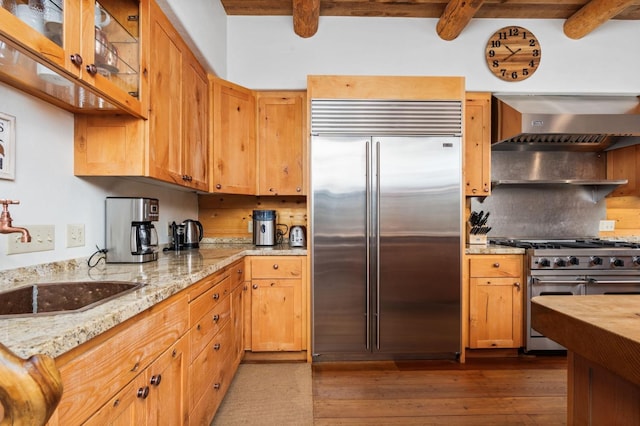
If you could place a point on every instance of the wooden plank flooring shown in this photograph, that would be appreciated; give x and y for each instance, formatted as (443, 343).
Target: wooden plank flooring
(524, 390)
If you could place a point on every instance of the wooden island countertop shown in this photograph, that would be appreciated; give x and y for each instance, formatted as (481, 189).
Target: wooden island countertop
(602, 336)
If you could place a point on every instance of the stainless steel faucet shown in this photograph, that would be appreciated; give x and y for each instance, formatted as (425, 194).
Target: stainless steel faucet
(5, 222)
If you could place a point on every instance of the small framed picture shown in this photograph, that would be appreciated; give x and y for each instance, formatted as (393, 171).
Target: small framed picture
(7, 146)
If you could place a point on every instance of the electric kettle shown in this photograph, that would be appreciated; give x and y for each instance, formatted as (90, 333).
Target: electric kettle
(193, 233)
(297, 236)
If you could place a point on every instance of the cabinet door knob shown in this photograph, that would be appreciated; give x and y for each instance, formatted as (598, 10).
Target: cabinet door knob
(216, 347)
(255, 286)
(92, 69)
(218, 186)
(143, 393)
(275, 266)
(76, 59)
(216, 296)
(216, 386)
(298, 189)
(155, 380)
(517, 285)
(496, 265)
(216, 317)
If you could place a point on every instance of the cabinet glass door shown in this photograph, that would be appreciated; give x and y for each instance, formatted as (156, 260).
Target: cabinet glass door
(114, 61)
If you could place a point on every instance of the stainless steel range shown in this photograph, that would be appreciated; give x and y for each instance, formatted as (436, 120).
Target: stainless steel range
(575, 267)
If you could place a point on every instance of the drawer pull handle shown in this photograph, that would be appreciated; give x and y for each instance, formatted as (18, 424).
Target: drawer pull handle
(496, 265)
(143, 393)
(174, 353)
(155, 380)
(275, 266)
(198, 327)
(216, 386)
(216, 347)
(517, 285)
(216, 296)
(240, 271)
(216, 318)
(116, 402)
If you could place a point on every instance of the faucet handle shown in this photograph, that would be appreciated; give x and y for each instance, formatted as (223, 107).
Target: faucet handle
(5, 203)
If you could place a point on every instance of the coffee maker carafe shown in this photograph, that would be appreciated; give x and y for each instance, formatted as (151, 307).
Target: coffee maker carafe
(130, 234)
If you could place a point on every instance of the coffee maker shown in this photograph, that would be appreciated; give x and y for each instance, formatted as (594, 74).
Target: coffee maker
(130, 235)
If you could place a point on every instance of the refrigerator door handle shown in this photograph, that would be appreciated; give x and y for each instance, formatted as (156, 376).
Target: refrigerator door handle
(368, 245)
(377, 233)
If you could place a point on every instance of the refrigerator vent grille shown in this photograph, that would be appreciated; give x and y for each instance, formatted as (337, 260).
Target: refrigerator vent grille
(386, 117)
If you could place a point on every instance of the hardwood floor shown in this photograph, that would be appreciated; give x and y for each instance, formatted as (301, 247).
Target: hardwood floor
(524, 390)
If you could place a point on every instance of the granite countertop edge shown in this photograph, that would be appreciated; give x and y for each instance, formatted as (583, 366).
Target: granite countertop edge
(492, 249)
(173, 272)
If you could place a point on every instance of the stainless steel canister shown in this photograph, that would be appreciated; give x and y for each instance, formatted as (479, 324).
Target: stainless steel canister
(264, 227)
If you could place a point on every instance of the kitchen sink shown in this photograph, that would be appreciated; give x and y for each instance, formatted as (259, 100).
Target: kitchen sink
(62, 297)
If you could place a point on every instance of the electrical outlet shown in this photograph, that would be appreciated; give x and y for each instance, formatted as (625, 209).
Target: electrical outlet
(607, 225)
(75, 235)
(250, 226)
(42, 239)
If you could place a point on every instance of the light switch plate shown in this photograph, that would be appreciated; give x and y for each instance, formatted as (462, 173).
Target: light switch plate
(75, 235)
(42, 239)
(607, 225)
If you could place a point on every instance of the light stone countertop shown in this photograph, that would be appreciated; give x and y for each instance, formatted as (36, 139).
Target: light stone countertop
(172, 272)
(492, 249)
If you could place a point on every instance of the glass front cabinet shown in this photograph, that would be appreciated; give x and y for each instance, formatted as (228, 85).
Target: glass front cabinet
(83, 55)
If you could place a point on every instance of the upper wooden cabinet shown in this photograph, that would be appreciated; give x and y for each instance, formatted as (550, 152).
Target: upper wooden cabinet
(281, 143)
(172, 145)
(79, 45)
(623, 163)
(233, 157)
(477, 140)
(178, 148)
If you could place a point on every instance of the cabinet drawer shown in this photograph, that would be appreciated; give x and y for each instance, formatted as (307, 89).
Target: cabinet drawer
(208, 300)
(210, 323)
(94, 376)
(236, 272)
(496, 266)
(209, 398)
(205, 284)
(276, 267)
(206, 368)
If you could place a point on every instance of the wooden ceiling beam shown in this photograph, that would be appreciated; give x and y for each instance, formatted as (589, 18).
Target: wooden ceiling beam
(306, 15)
(592, 15)
(456, 16)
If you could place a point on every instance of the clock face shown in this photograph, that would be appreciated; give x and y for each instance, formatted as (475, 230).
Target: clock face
(513, 53)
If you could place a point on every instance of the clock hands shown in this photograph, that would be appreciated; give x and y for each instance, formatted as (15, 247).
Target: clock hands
(512, 53)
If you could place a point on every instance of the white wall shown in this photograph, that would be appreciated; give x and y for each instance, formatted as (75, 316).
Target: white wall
(203, 25)
(265, 53)
(50, 194)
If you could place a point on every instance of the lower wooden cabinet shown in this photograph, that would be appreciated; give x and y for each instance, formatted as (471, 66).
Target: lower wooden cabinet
(496, 291)
(216, 321)
(156, 396)
(278, 314)
(108, 379)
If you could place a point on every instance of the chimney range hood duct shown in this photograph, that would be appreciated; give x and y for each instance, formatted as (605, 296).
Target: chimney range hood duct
(564, 122)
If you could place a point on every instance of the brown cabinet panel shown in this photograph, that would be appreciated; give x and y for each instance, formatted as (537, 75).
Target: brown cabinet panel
(281, 142)
(233, 157)
(496, 294)
(477, 142)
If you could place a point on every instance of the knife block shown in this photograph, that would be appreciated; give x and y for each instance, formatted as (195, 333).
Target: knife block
(475, 239)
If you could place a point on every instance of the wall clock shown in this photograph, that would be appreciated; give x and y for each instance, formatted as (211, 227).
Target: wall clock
(513, 53)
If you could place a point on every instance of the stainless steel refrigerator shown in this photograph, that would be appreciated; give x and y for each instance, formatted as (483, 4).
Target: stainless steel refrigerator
(386, 237)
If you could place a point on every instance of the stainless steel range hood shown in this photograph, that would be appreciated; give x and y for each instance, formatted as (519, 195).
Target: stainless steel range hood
(564, 122)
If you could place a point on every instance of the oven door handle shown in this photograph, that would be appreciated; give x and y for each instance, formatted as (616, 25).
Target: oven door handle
(585, 281)
(595, 281)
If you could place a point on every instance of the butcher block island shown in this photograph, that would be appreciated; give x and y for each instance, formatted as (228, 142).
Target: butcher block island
(602, 336)
(165, 353)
